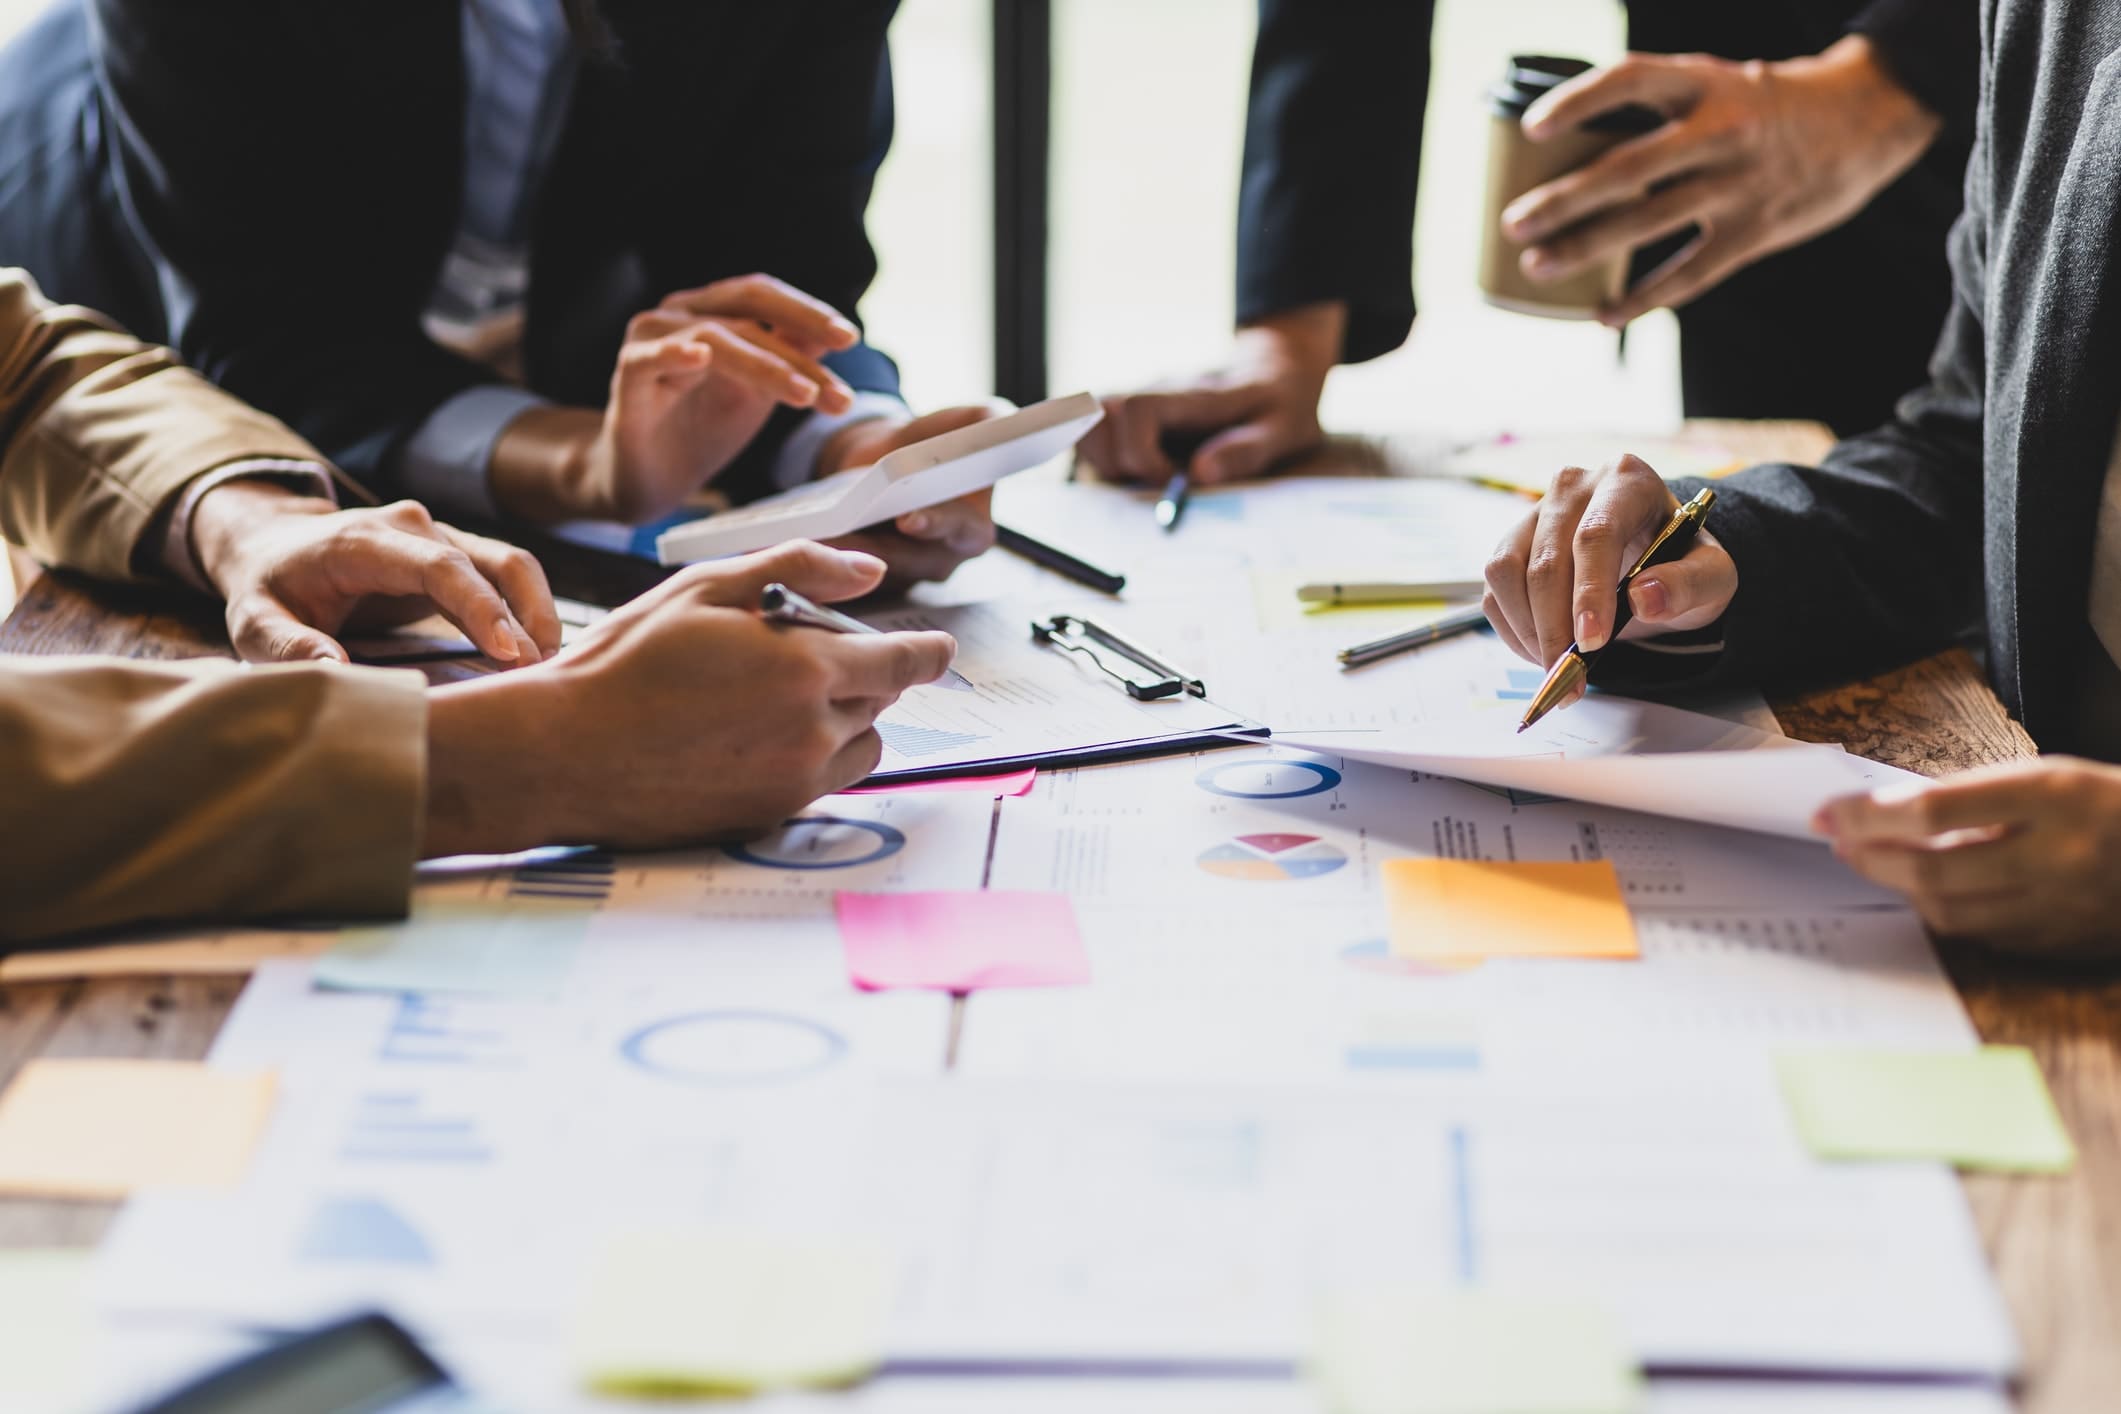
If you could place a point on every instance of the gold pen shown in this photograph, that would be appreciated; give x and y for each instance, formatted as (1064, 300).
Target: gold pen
(1573, 669)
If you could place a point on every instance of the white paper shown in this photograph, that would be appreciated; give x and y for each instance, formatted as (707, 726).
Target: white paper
(1637, 755)
(1156, 834)
(1011, 698)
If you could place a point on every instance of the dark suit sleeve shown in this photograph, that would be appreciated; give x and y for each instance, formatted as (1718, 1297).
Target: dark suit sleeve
(1871, 559)
(1332, 156)
(291, 172)
(1934, 48)
(809, 115)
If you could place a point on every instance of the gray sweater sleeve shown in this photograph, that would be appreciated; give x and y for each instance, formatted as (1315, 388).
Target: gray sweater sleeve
(1872, 558)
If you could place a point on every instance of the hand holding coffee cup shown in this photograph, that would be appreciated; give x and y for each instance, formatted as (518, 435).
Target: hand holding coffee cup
(1522, 167)
(1589, 165)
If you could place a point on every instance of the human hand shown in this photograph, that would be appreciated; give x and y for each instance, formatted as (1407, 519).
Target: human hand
(1556, 577)
(683, 717)
(1760, 156)
(696, 380)
(922, 545)
(295, 572)
(1258, 410)
(2019, 855)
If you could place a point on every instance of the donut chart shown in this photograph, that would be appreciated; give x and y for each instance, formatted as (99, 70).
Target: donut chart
(1267, 778)
(820, 842)
(734, 1047)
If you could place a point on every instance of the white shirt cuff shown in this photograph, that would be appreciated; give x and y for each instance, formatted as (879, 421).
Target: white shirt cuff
(796, 462)
(444, 464)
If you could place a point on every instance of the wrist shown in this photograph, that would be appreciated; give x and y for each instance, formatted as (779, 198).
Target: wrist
(1879, 110)
(486, 792)
(551, 464)
(226, 519)
(843, 449)
(1306, 340)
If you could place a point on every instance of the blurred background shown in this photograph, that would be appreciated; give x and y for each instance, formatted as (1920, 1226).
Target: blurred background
(1148, 125)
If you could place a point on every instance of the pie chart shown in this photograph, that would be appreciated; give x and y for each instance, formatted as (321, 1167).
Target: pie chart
(1265, 857)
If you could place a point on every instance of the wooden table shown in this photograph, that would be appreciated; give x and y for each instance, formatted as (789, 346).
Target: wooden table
(2055, 1243)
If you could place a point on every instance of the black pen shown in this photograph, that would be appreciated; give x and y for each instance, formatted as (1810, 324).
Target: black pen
(1059, 561)
(1573, 669)
(1172, 504)
(1458, 621)
(1178, 446)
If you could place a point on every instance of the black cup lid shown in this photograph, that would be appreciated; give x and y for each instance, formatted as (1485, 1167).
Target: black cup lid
(1531, 77)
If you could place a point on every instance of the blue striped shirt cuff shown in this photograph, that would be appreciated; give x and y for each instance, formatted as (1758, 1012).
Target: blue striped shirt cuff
(444, 463)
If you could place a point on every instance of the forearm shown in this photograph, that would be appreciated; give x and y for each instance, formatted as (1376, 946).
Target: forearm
(543, 467)
(1332, 156)
(163, 792)
(107, 435)
(1881, 126)
(1308, 339)
(495, 782)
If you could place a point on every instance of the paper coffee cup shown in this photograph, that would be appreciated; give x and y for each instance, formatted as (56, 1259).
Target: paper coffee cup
(1516, 164)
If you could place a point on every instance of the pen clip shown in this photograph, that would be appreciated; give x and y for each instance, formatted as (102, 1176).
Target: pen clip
(1694, 510)
(1151, 677)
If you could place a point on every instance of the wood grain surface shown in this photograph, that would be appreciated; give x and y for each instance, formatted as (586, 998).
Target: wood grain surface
(2055, 1242)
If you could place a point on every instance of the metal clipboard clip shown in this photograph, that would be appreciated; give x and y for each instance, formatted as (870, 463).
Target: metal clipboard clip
(1147, 676)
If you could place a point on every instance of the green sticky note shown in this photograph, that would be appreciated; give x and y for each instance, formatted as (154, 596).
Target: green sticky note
(685, 1311)
(47, 1329)
(1979, 1109)
(1393, 1350)
(513, 948)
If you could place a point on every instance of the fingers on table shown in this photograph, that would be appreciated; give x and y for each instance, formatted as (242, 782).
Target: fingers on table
(521, 581)
(264, 631)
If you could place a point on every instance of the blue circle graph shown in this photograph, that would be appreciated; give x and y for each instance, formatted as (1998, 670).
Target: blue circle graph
(1269, 779)
(733, 1047)
(821, 842)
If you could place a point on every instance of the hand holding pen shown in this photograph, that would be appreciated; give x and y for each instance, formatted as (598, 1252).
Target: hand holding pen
(1555, 581)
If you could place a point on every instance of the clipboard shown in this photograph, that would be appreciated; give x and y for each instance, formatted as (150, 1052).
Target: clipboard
(1090, 696)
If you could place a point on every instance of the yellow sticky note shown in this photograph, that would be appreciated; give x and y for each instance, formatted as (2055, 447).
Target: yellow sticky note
(1467, 909)
(1390, 1350)
(101, 1128)
(1980, 1109)
(703, 1310)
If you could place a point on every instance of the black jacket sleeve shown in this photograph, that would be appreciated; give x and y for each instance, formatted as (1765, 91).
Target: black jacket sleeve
(1332, 157)
(1934, 48)
(744, 178)
(294, 211)
(1872, 558)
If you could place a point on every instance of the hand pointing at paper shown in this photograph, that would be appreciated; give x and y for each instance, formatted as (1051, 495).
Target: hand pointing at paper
(1553, 580)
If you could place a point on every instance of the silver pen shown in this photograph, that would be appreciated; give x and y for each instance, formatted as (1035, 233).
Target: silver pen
(1456, 622)
(778, 604)
(781, 605)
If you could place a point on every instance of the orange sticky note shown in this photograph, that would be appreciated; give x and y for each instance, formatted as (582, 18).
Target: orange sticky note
(101, 1128)
(1468, 909)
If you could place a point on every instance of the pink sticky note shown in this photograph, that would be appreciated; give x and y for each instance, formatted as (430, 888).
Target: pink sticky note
(961, 941)
(1015, 783)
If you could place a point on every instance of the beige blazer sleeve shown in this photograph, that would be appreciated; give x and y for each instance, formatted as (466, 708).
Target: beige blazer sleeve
(140, 792)
(100, 433)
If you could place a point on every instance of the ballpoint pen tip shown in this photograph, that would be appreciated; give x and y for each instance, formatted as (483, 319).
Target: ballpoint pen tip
(1521, 727)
